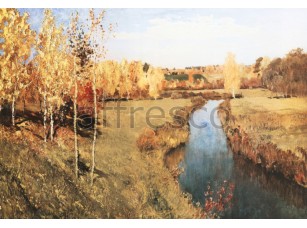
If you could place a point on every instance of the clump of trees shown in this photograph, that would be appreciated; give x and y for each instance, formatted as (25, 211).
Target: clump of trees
(59, 67)
(284, 76)
(287, 76)
(252, 75)
(16, 42)
(52, 68)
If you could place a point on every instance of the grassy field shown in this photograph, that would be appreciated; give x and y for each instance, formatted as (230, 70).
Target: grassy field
(281, 121)
(152, 191)
(268, 131)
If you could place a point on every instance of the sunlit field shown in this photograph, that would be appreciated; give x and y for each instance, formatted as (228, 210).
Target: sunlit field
(281, 121)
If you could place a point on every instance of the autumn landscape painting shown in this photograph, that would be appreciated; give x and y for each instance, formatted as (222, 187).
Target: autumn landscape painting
(153, 113)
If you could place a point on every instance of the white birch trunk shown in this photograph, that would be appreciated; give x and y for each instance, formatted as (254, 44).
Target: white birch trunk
(95, 130)
(233, 93)
(45, 117)
(13, 111)
(75, 122)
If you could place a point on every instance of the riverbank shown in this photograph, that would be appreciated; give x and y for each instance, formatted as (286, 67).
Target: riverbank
(269, 132)
(206, 160)
(172, 133)
(165, 140)
(175, 131)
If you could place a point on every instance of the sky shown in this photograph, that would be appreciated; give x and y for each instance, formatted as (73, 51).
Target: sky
(195, 37)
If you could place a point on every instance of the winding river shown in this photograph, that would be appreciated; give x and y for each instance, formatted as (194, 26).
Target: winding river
(206, 160)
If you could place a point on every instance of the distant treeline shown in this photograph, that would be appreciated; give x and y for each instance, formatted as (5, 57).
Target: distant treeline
(184, 77)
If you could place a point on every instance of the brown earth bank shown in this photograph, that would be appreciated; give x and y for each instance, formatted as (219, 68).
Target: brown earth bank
(291, 164)
(209, 95)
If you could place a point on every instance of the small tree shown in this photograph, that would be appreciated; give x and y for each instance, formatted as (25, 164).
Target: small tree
(96, 38)
(231, 74)
(142, 81)
(134, 70)
(81, 51)
(155, 78)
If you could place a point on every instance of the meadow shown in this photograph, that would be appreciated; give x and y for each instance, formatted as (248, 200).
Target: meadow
(280, 121)
(269, 131)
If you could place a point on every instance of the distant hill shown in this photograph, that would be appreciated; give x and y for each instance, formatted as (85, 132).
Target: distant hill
(179, 77)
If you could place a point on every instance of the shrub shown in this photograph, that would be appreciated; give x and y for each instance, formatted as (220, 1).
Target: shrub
(147, 140)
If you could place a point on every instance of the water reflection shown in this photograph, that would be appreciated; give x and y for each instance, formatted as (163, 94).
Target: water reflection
(259, 194)
(206, 159)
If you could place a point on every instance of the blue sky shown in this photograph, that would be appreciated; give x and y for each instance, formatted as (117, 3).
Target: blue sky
(192, 37)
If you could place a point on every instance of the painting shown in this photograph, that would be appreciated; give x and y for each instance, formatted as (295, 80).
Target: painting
(147, 113)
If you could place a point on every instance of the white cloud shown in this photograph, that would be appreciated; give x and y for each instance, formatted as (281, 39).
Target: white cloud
(178, 38)
(178, 41)
(170, 42)
(197, 28)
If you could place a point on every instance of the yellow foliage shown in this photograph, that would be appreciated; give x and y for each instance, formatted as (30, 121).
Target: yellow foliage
(18, 39)
(232, 74)
(54, 65)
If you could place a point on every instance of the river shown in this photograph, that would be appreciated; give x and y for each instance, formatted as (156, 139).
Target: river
(206, 160)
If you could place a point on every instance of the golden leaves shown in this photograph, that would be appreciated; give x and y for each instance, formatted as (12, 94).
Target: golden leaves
(231, 73)
(155, 77)
(53, 62)
(18, 39)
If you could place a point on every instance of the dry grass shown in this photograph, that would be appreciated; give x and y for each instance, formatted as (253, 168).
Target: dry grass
(139, 180)
(280, 121)
(37, 182)
(270, 132)
(172, 133)
(127, 184)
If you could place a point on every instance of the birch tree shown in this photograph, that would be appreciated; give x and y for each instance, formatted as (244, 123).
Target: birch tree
(155, 77)
(53, 68)
(80, 50)
(62, 84)
(60, 72)
(231, 74)
(73, 33)
(96, 37)
(43, 60)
